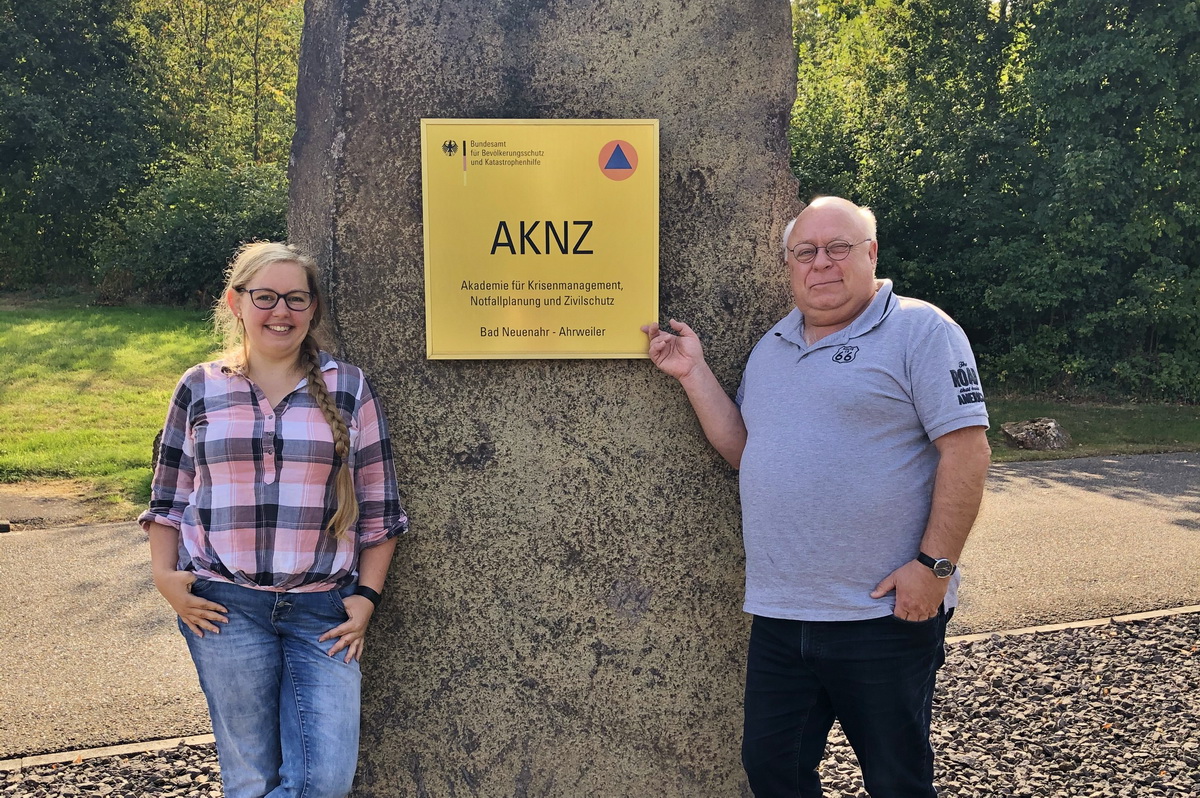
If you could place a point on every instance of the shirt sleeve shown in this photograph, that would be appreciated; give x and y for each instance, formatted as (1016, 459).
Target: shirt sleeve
(945, 381)
(380, 516)
(174, 477)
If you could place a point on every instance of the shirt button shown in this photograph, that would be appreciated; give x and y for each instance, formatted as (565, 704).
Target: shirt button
(270, 417)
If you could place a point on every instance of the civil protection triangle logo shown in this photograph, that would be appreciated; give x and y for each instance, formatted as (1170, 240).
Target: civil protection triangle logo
(618, 160)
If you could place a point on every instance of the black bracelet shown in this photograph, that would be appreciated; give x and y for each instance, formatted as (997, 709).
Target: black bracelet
(370, 594)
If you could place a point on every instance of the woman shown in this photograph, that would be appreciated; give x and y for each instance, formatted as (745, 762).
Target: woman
(272, 521)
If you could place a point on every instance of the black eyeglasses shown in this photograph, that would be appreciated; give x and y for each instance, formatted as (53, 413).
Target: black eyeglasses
(836, 250)
(266, 299)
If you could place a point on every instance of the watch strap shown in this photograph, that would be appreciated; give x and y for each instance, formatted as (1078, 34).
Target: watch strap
(370, 594)
(932, 564)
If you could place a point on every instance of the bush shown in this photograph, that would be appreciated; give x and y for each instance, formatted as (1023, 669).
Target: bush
(173, 242)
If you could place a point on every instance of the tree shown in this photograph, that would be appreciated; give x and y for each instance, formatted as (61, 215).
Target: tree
(126, 124)
(227, 72)
(225, 75)
(1032, 167)
(172, 243)
(1115, 190)
(900, 107)
(73, 131)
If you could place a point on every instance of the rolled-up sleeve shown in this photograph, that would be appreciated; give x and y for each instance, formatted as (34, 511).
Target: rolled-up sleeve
(380, 515)
(174, 477)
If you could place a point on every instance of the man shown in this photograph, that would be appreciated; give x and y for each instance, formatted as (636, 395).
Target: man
(858, 430)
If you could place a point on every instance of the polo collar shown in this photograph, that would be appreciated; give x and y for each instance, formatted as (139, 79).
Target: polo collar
(791, 328)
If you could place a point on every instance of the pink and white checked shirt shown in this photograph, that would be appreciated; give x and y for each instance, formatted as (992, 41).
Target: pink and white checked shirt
(250, 487)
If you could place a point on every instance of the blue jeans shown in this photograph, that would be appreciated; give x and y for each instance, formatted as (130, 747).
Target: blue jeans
(875, 677)
(284, 713)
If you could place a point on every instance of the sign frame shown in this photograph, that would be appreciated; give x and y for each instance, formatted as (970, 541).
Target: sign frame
(541, 237)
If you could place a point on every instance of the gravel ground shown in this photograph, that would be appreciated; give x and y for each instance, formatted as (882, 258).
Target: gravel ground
(1108, 710)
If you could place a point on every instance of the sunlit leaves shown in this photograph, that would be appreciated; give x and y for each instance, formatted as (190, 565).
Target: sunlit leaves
(226, 70)
(1033, 166)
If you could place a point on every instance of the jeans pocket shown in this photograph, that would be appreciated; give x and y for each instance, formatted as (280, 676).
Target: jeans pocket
(198, 586)
(339, 606)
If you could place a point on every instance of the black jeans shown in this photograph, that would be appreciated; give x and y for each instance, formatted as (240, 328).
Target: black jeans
(876, 677)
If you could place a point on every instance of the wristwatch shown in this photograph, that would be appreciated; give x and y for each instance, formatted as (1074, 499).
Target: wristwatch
(941, 567)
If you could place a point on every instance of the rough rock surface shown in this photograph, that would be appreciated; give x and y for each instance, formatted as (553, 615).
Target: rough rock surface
(1040, 434)
(1097, 712)
(564, 616)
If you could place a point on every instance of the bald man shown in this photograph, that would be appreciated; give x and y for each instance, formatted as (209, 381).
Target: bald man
(859, 433)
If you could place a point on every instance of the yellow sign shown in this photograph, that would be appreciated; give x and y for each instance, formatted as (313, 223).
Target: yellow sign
(541, 237)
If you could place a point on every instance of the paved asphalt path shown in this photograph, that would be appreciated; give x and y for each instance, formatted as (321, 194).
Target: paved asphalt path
(1070, 540)
(92, 657)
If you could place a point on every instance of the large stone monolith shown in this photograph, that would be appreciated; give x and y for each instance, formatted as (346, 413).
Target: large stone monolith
(564, 619)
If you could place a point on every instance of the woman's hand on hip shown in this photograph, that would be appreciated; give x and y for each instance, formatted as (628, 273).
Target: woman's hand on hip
(199, 614)
(351, 633)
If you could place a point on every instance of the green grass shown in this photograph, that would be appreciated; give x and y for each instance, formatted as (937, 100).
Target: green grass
(85, 389)
(1097, 429)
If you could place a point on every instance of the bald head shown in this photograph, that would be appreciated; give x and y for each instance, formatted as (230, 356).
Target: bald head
(865, 216)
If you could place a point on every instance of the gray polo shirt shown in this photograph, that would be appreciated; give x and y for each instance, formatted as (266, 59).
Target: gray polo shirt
(837, 474)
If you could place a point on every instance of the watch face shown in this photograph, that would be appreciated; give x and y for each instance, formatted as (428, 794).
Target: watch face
(943, 568)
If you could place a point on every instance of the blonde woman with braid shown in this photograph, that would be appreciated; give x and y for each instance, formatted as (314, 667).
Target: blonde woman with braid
(273, 517)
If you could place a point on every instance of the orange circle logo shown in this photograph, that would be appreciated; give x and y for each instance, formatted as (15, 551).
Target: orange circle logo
(618, 160)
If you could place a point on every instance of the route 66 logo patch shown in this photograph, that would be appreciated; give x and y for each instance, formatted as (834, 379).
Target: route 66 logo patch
(845, 354)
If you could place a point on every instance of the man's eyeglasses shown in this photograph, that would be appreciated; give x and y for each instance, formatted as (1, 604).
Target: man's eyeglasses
(836, 250)
(266, 299)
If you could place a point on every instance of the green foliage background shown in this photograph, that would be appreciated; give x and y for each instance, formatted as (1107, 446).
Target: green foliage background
(75, 131)
(1032, 163)
(1033, 166)
(143, 140)
(172, 240)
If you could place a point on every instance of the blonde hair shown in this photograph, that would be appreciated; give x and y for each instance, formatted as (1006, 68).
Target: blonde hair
(249, 260)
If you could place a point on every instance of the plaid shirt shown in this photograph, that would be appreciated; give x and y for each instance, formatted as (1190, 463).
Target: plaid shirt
(251, 487)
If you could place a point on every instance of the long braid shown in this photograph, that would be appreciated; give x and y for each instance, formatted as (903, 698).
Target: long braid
(347, 503)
